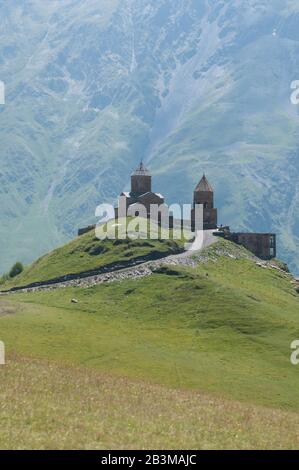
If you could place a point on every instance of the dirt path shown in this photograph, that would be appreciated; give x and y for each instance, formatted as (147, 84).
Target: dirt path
(144, 269)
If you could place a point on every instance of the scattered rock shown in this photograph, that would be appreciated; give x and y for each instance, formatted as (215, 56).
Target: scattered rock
(147, 268)
(262, 265)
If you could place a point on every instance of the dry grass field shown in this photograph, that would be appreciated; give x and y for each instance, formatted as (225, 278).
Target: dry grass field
(47, 406)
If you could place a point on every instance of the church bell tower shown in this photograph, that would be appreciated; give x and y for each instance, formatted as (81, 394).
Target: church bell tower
(141, 181)
(204, 195)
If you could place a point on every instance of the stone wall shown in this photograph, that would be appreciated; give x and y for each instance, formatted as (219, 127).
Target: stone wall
(262, 245)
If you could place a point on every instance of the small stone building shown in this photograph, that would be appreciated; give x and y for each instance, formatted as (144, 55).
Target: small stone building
(262, 245)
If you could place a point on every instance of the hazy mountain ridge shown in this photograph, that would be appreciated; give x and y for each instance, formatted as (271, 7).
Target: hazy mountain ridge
(192, 85)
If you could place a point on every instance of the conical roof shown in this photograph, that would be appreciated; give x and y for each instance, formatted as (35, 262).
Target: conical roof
(141, 170)
(204, 185)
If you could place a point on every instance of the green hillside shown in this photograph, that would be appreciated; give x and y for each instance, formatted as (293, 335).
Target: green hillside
(88, 253)
(219, 332)
(225, 326)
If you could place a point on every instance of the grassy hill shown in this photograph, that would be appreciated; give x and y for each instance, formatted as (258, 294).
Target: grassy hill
(88, 253)
(223, 328)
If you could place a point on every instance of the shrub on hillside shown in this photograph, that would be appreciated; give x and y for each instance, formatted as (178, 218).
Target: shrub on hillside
(16, 269)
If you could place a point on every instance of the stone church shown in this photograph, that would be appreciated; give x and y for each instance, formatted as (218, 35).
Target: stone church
(141, 193)
(141, 190)
(263, 245)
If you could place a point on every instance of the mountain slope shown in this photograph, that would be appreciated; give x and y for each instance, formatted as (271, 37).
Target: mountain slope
(189, 85)
(213, 340)
(87, 254)
(224, 327)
